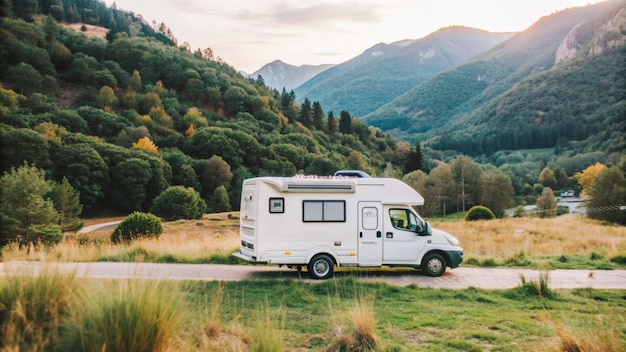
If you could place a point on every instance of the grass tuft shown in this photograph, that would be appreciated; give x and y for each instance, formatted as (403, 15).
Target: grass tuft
(32, 307)
(128, 316)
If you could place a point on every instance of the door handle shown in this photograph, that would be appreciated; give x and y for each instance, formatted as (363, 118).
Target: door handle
(361, 234)
(389, 234)
(379, 234)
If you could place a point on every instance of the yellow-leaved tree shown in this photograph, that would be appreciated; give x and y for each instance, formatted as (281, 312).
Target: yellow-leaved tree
(147, 144)
(586, 177)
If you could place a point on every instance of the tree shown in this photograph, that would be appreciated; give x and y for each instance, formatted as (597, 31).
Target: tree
(466, 173)
(85, 170)
(66, 200)
(585, 178)
(345, 122)
(416, 179)
(306, 113)
(219, 200)
(26, 217)
(130, 178)
(495, 191)
(547, 178)
(106, 98)
(213, 172)
(332, 123)
(135, 84)
(414, 159)
(356, 161)
(440, 189)
(179, 202)
(546, 203)
(607, 194)
(318, 116)
(146, 143)
(25, 79)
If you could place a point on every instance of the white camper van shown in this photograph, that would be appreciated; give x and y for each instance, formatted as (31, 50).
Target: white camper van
(321, 222)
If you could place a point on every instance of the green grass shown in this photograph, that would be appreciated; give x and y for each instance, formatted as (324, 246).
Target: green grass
(279, 315)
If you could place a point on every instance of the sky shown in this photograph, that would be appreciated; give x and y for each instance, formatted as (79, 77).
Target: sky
(248, 34)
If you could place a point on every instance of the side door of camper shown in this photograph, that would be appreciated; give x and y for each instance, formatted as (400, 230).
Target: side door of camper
(370, 234)
(403, 242)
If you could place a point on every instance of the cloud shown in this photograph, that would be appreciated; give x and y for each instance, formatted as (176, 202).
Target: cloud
(319, 14)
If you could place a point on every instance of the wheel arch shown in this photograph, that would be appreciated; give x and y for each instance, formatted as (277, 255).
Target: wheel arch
(442, 253)
(325, 251)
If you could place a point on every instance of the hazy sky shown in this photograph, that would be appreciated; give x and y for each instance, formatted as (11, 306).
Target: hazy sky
(248, 34)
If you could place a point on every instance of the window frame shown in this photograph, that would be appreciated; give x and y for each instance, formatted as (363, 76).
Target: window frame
(272, 208)
(323, 211)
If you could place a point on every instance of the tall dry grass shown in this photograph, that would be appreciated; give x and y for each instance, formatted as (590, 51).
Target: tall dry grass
(183, 240)
(563, 235)
(32, 307)
(217, 236)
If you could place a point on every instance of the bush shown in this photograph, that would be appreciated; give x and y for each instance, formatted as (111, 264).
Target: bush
(137, 225)
(178, 202)
(479, 212)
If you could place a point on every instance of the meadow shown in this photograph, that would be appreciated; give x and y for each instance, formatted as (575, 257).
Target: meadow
(52, 311)
(564, 242)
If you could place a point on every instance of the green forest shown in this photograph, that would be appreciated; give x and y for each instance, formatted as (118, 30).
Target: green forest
(115, 121)
(78, 106)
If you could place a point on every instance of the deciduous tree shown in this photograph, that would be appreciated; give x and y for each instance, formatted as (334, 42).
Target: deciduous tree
(495, 191)
(585, 178)
(607, 196)
(546, 203)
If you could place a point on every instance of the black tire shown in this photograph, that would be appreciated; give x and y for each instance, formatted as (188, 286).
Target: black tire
(321, 267)
(434, 265)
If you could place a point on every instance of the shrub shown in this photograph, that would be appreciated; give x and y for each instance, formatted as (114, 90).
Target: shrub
(178, 202)
(137, 225)
(479, 212)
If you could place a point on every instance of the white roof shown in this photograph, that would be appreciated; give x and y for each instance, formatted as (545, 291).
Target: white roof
(385, 190)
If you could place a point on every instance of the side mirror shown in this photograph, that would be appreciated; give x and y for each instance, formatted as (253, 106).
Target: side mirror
(425, 229)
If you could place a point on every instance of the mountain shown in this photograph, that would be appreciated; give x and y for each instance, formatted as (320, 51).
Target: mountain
(385, 71)
(279, 75)
(560, 81)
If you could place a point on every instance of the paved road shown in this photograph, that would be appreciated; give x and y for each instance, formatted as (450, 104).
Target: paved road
(460, 278)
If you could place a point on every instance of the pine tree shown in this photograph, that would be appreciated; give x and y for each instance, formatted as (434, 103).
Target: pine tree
(66, 200)
(345, 122)
(332, 123)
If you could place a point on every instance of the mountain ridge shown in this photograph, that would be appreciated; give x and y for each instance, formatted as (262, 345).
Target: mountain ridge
(366, 82)
(455, 100)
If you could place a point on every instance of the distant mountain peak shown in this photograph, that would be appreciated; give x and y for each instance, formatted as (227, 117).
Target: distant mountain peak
(278, 74)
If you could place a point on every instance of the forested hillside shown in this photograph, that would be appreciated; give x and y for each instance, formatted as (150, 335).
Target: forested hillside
(560, 84)
(123, 118)
(386, 71)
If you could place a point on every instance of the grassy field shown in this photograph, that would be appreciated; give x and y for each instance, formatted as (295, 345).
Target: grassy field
(568, 241)
(60, 312)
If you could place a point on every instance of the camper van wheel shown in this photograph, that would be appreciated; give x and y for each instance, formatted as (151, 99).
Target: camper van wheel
(321, 267)
(434, 265)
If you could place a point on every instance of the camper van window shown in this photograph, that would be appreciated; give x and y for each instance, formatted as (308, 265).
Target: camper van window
(404, 219)
(277, 205)
(323, 211)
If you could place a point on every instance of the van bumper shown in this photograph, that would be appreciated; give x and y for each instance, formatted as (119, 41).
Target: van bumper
(247, 258)
(455, 258)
